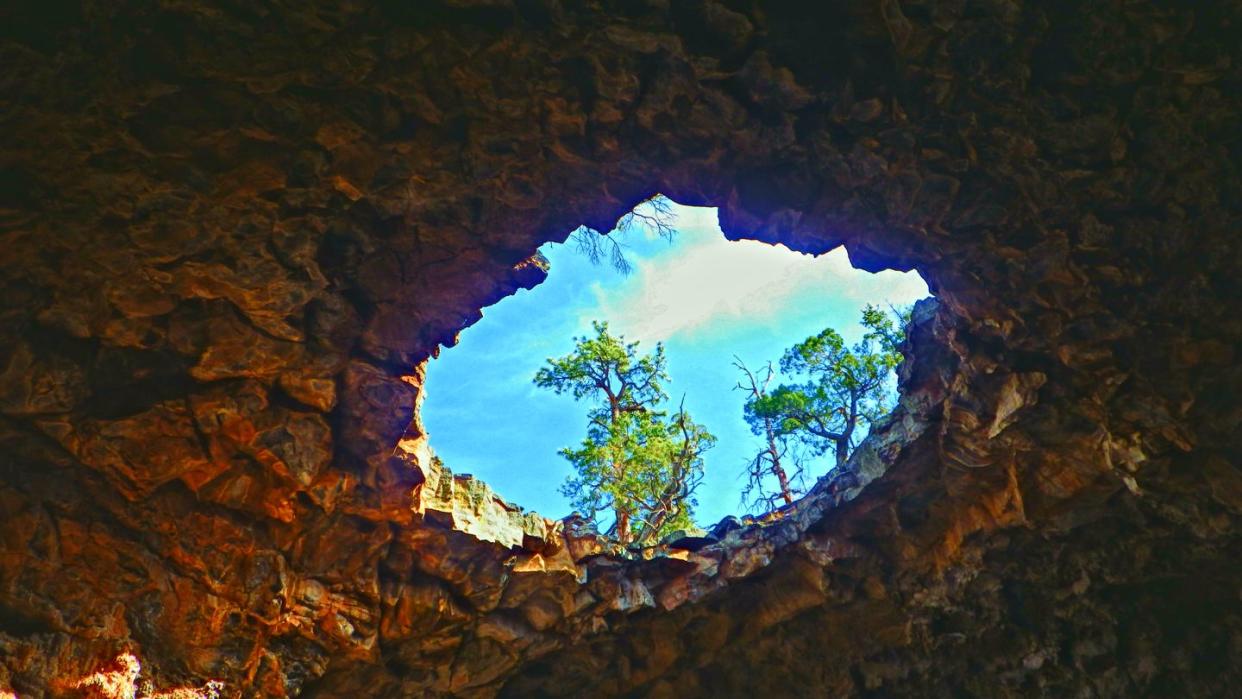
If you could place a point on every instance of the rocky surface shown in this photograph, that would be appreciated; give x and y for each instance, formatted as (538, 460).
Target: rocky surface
(233, 234)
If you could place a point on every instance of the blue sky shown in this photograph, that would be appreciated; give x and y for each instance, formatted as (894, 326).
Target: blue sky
(705, 297)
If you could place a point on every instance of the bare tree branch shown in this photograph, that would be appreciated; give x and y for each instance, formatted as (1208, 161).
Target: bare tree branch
(769, 460)
(654, 213)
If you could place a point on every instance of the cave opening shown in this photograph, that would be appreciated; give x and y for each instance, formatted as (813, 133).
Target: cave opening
(726, 313)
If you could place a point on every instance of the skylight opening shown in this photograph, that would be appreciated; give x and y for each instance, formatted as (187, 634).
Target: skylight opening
(726, 313)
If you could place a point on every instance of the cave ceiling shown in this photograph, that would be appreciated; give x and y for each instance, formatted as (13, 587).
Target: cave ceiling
(233, 233)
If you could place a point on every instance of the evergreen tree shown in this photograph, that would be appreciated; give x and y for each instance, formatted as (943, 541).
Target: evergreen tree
(637, 461)
(841, 388)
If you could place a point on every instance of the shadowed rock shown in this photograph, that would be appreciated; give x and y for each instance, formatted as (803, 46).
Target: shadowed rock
(233, 235)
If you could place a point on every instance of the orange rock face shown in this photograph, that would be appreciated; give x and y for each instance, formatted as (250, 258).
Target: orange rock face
(232, 237)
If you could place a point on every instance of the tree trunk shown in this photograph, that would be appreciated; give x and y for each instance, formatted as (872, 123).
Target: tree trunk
(784, 481)
(843, 449)
(775, 454)
(623, 526)
(618, 469)
(843, 443)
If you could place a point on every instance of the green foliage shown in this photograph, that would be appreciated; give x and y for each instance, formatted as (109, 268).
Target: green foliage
(605, 364)
(841, 387)
(886, 329)
(636, 461)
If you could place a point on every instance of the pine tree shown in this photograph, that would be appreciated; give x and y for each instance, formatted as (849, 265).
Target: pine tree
(842, 387)
(637, 461)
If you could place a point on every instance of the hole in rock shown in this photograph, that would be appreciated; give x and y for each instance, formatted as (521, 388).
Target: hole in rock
(716, 306)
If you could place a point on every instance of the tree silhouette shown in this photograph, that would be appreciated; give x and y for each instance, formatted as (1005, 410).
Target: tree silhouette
(654, 213)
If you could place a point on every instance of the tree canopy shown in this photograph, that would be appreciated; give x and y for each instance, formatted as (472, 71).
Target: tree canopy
(637, 460)
(836, 389)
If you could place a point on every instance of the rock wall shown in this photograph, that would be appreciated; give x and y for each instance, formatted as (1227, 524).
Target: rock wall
(233, 234)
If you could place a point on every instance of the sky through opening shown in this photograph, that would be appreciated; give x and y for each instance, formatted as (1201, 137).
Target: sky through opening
(706, 298)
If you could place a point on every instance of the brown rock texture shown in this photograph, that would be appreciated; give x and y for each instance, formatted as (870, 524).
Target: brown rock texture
(233, 233)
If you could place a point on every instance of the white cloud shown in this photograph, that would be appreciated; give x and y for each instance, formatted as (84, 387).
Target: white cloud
(707, 282)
